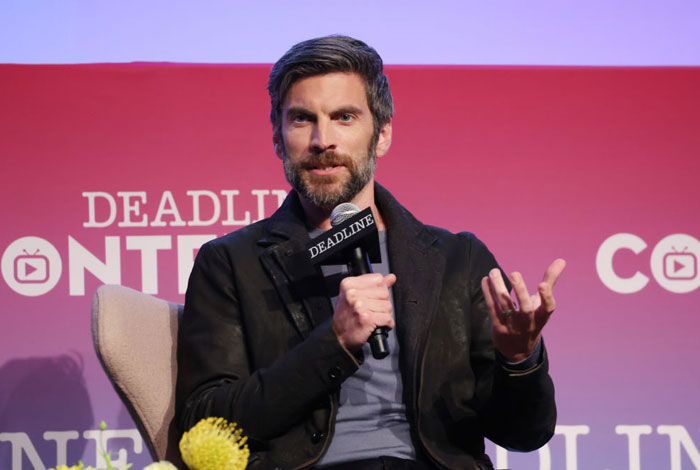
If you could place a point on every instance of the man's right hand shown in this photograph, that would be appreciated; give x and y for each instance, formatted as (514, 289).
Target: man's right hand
(364, 303)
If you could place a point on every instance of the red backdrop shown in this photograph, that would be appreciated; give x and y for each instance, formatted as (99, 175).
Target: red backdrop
(538, 162)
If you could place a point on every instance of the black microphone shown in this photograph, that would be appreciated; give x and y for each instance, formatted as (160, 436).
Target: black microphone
(358, 264)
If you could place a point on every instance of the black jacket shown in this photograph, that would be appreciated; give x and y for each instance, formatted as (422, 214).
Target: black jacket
(256, 345)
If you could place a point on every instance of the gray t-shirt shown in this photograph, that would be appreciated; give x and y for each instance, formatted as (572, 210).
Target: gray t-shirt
(371, 420)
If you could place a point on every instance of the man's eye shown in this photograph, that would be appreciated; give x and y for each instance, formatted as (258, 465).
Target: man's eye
(346, 117)
(300, 118)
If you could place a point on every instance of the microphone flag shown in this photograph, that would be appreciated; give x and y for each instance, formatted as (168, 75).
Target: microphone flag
(334, 246)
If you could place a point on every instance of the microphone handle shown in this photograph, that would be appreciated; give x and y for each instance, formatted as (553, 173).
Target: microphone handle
(379, 339)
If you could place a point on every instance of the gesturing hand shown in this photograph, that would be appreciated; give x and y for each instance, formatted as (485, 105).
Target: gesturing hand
(517, 328)
(364, 303)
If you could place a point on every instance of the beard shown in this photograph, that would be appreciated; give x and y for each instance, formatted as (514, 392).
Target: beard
(327, 191)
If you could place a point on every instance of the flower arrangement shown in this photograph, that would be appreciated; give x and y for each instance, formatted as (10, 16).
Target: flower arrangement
(211, 444)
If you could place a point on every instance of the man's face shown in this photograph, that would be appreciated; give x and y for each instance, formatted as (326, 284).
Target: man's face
(327, 147)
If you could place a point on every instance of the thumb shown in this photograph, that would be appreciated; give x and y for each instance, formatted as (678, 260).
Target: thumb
(389, 280)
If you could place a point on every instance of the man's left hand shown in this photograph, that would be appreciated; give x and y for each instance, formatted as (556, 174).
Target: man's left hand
(517, 328)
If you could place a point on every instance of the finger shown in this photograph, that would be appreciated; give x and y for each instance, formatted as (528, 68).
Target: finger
(375, 295)
(378, 306)
(390, 323)
(547, 297)
(375, 312)
(490, 302)
(554, 271)
(389, 280)
(379, 294)
(504, 302)
(384, 319)
(362, 282)
(363, 307)
(488, 295)
(524, 301)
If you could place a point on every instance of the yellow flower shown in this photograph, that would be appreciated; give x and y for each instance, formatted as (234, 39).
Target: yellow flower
(162, 465)
(74, 467)
(214, 444)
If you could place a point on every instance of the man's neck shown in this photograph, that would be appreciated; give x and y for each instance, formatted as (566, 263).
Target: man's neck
(321, 218)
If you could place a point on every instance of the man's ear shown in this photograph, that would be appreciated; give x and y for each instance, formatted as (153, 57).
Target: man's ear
(278, 146)
(384, 140)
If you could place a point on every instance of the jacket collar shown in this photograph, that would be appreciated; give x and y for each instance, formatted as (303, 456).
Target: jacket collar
(288, 223)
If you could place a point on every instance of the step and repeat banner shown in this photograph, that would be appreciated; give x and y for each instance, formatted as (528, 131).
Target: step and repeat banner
(118, 173)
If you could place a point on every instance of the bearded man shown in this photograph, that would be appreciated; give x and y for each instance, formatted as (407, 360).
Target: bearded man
(279, 346)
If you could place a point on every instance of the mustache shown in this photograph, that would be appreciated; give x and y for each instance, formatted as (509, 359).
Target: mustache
(327, 158)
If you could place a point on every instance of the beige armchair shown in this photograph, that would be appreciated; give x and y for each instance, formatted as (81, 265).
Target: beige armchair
(135, 338)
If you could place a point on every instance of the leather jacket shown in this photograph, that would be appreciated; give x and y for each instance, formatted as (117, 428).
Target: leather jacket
(256, 345)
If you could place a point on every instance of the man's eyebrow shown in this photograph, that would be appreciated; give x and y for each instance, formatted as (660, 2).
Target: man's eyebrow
(296, 110)
(349, 109)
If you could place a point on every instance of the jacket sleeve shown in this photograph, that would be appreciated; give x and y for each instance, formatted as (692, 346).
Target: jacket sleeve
(518, 411)
(215, 377)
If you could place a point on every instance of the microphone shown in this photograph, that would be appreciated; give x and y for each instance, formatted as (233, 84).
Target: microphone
(358, 264)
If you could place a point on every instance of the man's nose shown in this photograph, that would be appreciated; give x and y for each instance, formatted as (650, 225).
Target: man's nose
(323, 136)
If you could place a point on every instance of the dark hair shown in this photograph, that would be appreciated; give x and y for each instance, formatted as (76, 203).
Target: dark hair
(330, 54)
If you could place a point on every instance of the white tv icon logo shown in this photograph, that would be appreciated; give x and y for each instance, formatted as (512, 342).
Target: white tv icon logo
(31, 268)
(680, 265)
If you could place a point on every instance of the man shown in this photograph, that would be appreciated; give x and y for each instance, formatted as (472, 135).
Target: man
(276, 344)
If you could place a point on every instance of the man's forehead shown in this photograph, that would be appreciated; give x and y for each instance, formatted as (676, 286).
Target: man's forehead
(327, 89)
